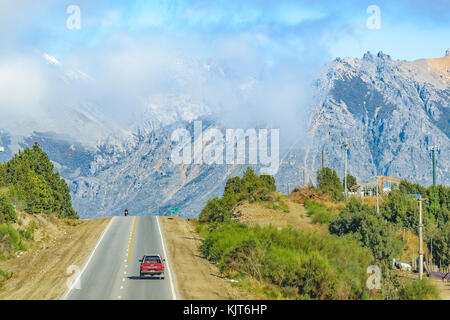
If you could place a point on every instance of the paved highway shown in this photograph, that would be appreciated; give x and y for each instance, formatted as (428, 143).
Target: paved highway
(112, 269)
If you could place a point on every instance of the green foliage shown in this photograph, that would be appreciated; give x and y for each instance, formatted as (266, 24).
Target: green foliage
(441, 245)
(5, 275)
(418, 290)
(318, 212)
(438, 204)
(269, 182)
(7, 212)
(2, 175)
(323, 217)
(351, 181)
(31, 178)
(400, 209)
(250, 186)
(218, 209)
(371, 229)
(411, 188)
(317, 266)
(329, 183)
(234, 186)
(10, 240)
(28, 232)
(252, 182)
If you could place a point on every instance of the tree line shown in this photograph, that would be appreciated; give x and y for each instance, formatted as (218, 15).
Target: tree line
(29, 182)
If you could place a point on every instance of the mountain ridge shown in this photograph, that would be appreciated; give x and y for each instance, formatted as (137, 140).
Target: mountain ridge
(392, 111)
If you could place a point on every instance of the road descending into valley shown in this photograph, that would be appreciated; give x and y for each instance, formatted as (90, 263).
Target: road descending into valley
(112, 269)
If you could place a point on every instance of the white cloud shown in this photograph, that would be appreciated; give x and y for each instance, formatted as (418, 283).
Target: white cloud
(51, 59)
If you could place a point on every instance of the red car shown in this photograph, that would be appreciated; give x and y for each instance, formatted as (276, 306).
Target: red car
(152, 265)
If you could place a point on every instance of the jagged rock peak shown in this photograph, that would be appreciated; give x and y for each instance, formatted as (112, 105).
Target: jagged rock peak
(383, 56)
(368, 56)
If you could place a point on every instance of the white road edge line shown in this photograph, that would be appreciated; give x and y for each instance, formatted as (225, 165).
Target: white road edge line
(85, 264)
(167, 259)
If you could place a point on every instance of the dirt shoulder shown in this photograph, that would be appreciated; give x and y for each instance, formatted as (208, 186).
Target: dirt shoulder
(40, 272)
(197, 278)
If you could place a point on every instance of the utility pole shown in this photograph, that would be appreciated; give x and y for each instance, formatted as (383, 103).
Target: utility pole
(345, 167)
(420, 239)
(420, 199)
(287, 184)
(433, 151)
(304, 178)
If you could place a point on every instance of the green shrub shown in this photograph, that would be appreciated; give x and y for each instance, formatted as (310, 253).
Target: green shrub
(323, 217)
(418, 290)
(250, 186)
(441, 245)
(318, 212)
(28, 233)
(5, 275)
(218, 209)
(318, 266)
(10, 240)
(312, 206)
(7, 212)
(371, 229)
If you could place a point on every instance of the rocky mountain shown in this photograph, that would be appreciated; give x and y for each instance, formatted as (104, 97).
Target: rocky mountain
(391, 112)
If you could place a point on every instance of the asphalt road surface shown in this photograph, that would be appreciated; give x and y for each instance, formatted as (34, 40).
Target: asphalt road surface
(112, 269)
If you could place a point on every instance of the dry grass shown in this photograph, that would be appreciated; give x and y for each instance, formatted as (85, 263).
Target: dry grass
(40, 272)
(258, 213)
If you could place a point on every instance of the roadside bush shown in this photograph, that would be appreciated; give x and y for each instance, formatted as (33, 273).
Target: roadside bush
(218, 209)
(418, 290)
(362, 222)
(10, 240)
(5, 275)
(318, 266)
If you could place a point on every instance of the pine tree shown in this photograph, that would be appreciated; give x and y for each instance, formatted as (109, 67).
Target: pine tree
(31, 177)
(329, 182)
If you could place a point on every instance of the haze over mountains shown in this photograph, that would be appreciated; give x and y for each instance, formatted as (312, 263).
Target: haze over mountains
(391, 111)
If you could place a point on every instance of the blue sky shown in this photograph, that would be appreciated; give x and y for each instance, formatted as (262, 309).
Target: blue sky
(409, 29)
